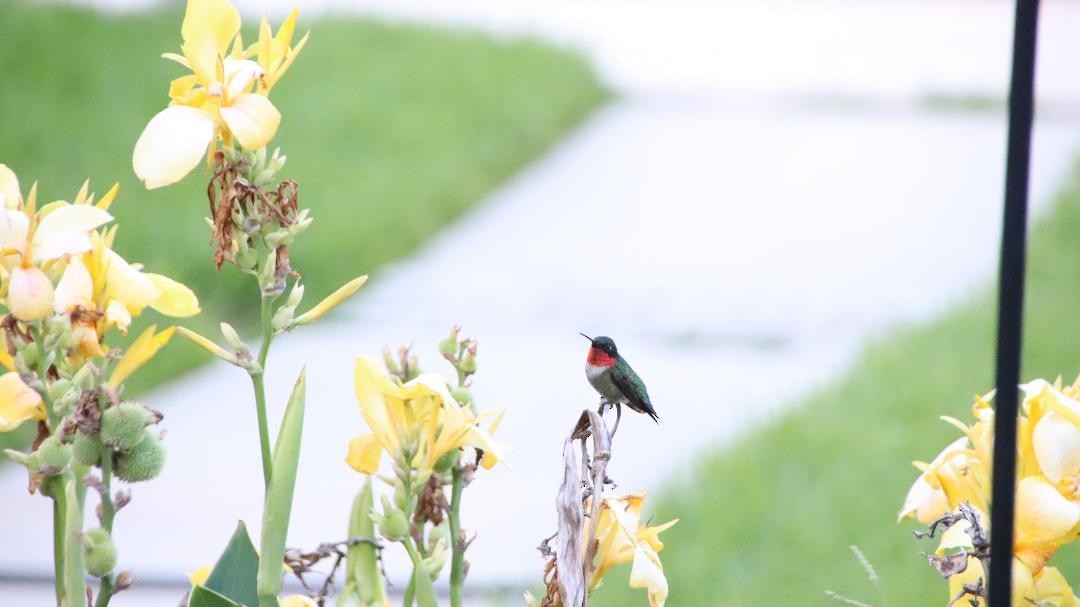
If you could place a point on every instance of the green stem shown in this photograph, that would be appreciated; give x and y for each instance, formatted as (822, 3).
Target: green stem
(410, 590)
(108, 511)
(260, 388)
(59, 514)
(457, 562)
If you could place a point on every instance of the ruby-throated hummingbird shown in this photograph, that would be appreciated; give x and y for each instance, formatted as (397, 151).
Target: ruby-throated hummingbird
(615, 380)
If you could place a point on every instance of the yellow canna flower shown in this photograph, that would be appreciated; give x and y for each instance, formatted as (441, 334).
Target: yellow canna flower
(1047, 588)
(224, 96)
(621, 538)
(18, 402)
(415, 423)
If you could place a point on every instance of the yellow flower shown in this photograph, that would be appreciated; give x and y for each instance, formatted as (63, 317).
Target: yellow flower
(621, 538)
(415, 423)
(1047, 588)
(18, 402)
(224, 96)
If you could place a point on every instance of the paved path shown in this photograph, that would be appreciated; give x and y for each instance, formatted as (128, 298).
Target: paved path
(739, 246)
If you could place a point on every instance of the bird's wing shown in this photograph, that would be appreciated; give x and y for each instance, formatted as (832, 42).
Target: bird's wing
(633, 389)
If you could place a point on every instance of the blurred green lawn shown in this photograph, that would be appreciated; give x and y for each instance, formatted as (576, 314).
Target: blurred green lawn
(392, 131)
(768, 520)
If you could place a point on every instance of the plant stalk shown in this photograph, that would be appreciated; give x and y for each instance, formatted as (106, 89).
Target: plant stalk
(259, 386)
(108, 512)
(59, 513)
(457, 562)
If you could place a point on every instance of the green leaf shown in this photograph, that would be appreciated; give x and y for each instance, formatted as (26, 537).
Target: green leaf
(279, 494)
(204, 597)
(362, 568)
(233, 576)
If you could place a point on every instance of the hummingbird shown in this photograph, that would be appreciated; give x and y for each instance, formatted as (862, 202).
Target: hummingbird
(615, 380)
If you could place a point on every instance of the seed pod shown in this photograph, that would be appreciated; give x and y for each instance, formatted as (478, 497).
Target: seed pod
(52, 456)
(122, 426)
(86, 449)
(99, 552)
(144, 461)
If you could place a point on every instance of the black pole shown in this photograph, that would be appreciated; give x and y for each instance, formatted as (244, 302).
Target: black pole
(1011, 302)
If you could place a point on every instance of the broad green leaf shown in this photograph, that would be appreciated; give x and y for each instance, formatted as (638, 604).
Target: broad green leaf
(233, 576)
(279, 495)
(204, 597)
(362, 567)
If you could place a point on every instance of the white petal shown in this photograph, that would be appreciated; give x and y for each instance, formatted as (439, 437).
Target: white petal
(13, 228)
(66, 231)
(117, 313)
(239, 74)
(1043, 516)
(171, 145)
(252, 119)
(76, 287)
(9, 188)
(1057, 446)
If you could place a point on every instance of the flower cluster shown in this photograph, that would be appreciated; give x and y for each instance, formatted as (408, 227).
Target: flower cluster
(622, 538)
(65, 292)
(224, 98)
(433, 438)
(1047, 490)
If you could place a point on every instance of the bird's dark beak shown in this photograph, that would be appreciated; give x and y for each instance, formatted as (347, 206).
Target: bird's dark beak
(585, 336)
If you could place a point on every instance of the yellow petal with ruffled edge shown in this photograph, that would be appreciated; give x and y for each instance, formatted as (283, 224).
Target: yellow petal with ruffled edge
(175, 300)
(75, 289)
(10, 195)
(208, 28)
(252, 120)
(139, 352)
(364, 454)
(18, 402)
(172, 144)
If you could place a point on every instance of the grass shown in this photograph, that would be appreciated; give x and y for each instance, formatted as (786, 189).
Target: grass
(392, 131)
(768, 521)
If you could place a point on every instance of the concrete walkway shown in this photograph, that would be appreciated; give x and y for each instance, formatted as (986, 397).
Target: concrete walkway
(739, 229)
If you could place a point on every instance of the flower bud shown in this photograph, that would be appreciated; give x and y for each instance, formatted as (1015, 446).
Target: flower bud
(144, 462)
(86, 449)
(99, 552)
(52, 456)
(390, 361)
(58, 388)
(449, 345)
(436, 560)
(231, 336)
(122, 426)
(30, 294)
(448, 461)
(83, 378)
(468, 364)
(462, 396)
(392, 524)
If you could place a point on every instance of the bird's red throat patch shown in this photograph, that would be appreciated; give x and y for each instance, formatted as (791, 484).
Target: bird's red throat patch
(599, 358)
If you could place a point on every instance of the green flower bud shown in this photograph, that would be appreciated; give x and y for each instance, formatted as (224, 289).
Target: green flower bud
(462, 396)
(144, 462)
(99, 552)
(52, 456)
(122, 426)
(86, 449)
(448, 346)
(30, 355)
(448, 461)
(59, 388)
(392, 524)
(468, 364)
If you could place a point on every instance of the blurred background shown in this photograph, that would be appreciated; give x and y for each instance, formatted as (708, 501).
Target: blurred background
(785, 213)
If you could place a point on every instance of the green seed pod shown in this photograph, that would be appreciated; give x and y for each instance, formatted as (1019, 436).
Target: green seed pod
(99, 552)
(86, 449)
(392, 524)
(468, 364)
(122, 426)
(462, 396)
(52, 456)
(143, 462)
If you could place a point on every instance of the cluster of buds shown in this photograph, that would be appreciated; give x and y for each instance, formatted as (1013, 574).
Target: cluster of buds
(953, 494)
(435, 441)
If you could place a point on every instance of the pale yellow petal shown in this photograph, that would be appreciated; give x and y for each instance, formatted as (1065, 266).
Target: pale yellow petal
(364, 454)
(252, 119)
(66, 231)
(75, 289)
(172, 144)
(297, 600)
(1056, 442)
(18, 402)
(10, 195)
(128, 285)
(14, 230)
(175, 299)
(139, 352)
(116, 313)
(208, 345)
(923, 502)
(200, 575)
(239, 75)
(648, 573)
(373, 388)
(1043, 515)
(209, 26)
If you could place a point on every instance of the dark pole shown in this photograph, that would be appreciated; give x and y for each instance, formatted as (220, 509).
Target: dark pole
(1011, 302)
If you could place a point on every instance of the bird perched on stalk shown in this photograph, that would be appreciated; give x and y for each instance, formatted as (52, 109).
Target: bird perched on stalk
(615, 380)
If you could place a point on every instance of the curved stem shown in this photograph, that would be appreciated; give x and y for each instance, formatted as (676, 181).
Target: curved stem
(259, 386)
(457, 562)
